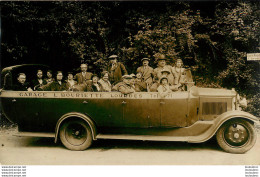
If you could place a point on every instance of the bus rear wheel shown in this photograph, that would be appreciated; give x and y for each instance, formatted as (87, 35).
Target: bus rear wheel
(76, 135)
(236, 136)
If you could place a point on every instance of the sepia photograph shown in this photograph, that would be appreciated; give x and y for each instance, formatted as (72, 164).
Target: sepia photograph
(130, 83)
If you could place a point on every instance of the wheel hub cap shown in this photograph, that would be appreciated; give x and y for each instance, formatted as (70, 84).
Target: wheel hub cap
(236, 135)
(76, 134)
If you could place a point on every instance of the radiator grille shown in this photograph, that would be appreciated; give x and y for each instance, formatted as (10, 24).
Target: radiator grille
(215, 108)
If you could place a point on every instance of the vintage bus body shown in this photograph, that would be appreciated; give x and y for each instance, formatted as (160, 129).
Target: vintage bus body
(78, 118)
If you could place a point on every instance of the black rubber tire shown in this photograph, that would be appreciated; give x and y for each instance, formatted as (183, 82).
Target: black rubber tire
(233, 144)
(76, 135)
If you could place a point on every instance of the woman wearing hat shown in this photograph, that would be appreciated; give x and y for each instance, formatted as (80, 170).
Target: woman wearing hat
(164, 88)
(155, 85)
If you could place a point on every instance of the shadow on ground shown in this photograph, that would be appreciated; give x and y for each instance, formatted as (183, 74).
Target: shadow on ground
(105, 145)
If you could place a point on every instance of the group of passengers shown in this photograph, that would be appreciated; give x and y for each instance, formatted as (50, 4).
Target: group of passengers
(163, 79)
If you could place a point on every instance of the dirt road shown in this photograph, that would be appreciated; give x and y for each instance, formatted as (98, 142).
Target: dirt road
(43, 151)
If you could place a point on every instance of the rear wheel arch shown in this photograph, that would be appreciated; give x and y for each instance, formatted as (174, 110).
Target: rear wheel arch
(75, 116)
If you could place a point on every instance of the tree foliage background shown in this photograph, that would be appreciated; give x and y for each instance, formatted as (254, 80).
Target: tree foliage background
(211, 37)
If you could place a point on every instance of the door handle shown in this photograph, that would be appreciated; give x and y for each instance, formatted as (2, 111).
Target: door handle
(13, 100)
(85, 102)
(123, 102)
(162, 102)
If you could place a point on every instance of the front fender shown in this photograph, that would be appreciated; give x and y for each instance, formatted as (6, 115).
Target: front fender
(76, 115)
(217, 122)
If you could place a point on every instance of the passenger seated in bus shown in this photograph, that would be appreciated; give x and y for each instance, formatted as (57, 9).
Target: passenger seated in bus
(125, 87)
(39, 81)
(58, 85)
(146, 71)
(49, 78)
(104, 82)
(22, 85)
(164, 88)
(139, 84)
(83, 76)
(162, 65)
(116, 69)
(70, 83)
(94, 85)
(164, 73)
(155, 85)
(181, 76)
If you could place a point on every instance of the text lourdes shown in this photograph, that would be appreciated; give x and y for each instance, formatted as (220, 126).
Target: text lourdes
(90, 95)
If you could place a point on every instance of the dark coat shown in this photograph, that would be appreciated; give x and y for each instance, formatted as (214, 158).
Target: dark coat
(147, 74)
(116, 74)
(21, 87)
(35, 84)
(55, 86)
(93, 88)
(140, 86)
(81, 79)
(69, 86)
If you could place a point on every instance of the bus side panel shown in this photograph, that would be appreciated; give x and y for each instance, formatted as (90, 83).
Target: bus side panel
(44, 113)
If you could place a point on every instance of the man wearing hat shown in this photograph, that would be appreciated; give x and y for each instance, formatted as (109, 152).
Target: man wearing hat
(125, 87)
(162, 66)
(116, 69)
(83, 76)
(146, 70)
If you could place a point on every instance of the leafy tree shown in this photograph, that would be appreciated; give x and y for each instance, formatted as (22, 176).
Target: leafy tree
(212, 38)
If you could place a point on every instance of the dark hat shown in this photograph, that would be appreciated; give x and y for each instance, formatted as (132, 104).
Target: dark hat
(145, 59)
(163, 78)
(112, 57)
(165, 71)
(161, 57)
(127, 77)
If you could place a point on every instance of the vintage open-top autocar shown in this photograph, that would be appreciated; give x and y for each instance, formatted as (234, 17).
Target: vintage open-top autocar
(78, 118)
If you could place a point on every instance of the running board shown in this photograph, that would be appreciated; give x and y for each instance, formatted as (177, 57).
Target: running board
(143, 137)
(35, 134)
